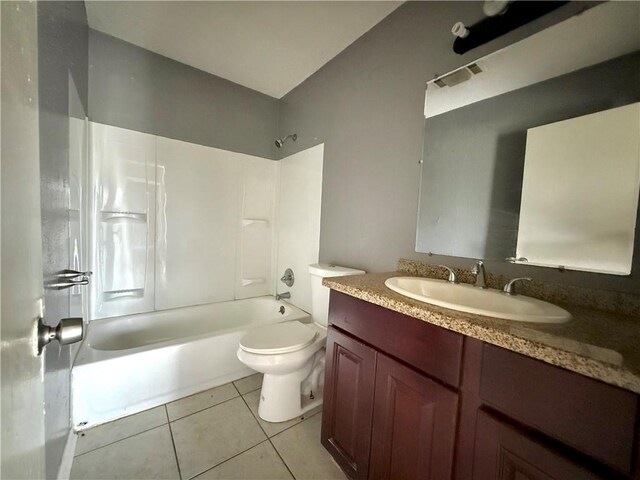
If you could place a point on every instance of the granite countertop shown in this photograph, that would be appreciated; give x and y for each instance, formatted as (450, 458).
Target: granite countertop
(597, 344)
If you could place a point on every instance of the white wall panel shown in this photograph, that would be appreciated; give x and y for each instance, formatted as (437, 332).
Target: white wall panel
(122, 221)
(198, 211)
(255, 241)
(209, 235)
(299, 204)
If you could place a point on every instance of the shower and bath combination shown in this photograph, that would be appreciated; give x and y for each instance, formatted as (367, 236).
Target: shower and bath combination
(280, 142)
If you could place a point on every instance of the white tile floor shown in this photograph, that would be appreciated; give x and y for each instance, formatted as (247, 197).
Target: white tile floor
(215, 434)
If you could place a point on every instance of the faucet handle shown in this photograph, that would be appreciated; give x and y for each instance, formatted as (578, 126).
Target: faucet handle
(476, 268)
(510, 287)
(453, 276)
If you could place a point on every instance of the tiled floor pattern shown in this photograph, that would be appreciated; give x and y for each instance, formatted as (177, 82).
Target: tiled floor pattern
(215, 434)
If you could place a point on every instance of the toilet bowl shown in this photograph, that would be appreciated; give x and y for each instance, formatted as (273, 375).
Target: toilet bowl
(285, 366)
(290, 355)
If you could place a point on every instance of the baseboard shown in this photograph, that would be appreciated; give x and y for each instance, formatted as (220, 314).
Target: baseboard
(64, 472)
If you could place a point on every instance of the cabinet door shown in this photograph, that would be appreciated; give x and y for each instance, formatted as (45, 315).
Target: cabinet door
(503, 453)
(348, 402)
(414, 425)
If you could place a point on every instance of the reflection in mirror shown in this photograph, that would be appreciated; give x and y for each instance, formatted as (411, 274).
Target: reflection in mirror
(476, 136)
(580, 192)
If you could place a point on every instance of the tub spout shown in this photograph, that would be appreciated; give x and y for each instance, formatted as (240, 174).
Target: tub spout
(281, 296)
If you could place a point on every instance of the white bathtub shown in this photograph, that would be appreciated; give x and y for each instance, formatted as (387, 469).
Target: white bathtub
(132, 363)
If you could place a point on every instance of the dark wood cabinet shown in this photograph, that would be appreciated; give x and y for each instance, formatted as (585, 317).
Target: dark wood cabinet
(383, 420)
(443, 406)
(582, 413)
(348, 402)
(414, 425)
(504, 453)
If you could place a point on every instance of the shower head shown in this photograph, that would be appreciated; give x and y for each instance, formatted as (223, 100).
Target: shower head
(280, 141)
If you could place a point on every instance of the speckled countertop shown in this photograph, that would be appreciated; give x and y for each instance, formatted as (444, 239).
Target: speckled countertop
(597, 344)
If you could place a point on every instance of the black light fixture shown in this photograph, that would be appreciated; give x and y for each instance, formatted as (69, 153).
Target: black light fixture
(504, 17)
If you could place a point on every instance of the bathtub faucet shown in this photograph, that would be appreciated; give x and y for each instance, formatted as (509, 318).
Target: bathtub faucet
(280, 296)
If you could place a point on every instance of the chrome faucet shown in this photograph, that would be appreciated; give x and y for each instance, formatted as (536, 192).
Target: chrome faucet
(453, 277)
(510, 288)
(280, 296)
(481, 277)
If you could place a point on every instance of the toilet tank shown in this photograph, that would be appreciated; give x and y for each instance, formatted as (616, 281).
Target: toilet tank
(319, 293)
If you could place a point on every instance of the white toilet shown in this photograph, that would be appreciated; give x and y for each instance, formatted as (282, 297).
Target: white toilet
(291, 354)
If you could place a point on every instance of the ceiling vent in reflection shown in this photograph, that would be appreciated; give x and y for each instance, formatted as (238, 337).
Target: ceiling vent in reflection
(459, 76)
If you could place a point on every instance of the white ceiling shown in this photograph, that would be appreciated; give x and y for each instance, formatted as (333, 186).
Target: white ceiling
(268, 46)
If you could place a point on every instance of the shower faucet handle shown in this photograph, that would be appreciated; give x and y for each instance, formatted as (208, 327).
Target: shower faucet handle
(288, 278)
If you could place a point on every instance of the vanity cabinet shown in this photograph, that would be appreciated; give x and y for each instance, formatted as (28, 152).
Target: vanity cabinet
(405, 399)
(414, 424)
(503, 452)
(382, 419)
(348, 402)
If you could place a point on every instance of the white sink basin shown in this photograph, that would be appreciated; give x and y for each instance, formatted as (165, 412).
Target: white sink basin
(470, 299)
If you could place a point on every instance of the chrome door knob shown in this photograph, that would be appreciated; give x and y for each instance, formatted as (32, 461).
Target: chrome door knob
(69, 330)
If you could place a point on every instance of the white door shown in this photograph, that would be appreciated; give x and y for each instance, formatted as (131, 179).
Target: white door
(21, 250)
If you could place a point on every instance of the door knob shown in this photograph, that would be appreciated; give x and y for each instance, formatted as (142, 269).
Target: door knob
(69, 330)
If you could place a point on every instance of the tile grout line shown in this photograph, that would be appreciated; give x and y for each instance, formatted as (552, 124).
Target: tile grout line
(254, 417)
(203, 409)
(234, 386)
(269, 439)
(173, 442)
(121, 439)
(239, 453)
(281, 459)
(230, 458)
(168, 420)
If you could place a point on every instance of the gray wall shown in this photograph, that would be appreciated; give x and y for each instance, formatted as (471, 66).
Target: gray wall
(133, 88)
(62, 60)
(366, 105)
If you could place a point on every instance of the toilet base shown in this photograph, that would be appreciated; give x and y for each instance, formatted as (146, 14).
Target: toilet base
(281, 400)
(284, 397)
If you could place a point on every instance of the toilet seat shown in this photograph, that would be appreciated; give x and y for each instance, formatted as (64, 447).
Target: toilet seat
(281, 338)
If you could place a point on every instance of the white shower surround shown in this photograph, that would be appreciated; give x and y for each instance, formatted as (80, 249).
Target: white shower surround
(215, 225)
(160, 238)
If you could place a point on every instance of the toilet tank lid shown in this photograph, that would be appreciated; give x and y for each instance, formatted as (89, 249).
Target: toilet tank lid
(329, 270)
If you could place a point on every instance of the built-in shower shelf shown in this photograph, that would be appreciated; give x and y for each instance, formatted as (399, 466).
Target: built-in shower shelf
(114, 216)
(252, 221)
(115, 294)
(251, 281)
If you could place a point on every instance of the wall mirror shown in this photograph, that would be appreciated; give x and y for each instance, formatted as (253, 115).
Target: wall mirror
(532, 153)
